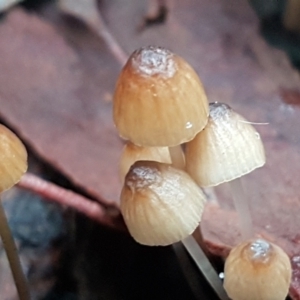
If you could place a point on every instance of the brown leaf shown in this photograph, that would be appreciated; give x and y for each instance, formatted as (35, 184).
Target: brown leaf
(60, 101)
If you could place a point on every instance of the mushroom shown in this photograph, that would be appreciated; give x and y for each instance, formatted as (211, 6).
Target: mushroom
(13, 164)
(132, 153)
(159, 101)
(160, 204)
(257, 270)
(228, 148)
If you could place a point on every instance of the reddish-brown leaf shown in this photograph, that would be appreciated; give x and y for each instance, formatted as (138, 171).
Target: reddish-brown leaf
(60, 100)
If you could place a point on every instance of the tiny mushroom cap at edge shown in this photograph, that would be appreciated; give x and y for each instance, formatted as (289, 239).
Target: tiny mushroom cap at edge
(13, 164)
(159, 99)
(228, 148)
(13, 159)
(257, 270)
(160, 204)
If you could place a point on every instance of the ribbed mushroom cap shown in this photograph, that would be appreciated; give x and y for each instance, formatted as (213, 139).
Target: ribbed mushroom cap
(160, 204)
(13, 159)
(257, 270)
(228, 148)
(132, 153)
(159, 99)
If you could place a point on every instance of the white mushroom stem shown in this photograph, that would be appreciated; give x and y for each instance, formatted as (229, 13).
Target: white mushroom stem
(177, 157)
(242, 208)
(13, 257)
(205, 266)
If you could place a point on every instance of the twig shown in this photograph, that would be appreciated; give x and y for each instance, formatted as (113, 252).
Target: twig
(109, 39)
(89, 208)
(88, 12)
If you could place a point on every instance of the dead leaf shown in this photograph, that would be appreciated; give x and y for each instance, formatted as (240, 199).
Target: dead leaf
(56, 98)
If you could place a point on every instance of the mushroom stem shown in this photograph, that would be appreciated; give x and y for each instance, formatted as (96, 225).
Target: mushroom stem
(177, 157)
(13, 257)
(205, 266)
(242, 208)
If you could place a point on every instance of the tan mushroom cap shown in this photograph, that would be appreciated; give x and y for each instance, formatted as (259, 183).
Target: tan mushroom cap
(13, 159)
(132, 153)
(159, 99)
(257, 270)
(160, 204)
(228, 148)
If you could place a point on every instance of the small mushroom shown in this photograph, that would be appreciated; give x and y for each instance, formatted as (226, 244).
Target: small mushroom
(13, 164)
(159, 101)
(160, 204)
(257, 270)
(228, 148)
(132, 153)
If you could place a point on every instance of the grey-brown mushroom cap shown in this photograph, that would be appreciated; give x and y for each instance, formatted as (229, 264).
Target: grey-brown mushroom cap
(228, 148)
(160, 204)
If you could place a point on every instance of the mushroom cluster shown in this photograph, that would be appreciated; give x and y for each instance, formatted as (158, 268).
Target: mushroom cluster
(159, 104)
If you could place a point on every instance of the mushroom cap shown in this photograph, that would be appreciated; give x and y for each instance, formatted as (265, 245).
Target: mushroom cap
(13, 159)
(132, 153)
(159, 99)
(257, 270)
(228, 148)
(160, 204)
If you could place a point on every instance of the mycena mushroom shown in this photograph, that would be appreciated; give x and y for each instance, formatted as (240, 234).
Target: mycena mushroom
(160, 204)
(13, 164)
(228, 148)
(159, 101)
(257, 270)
